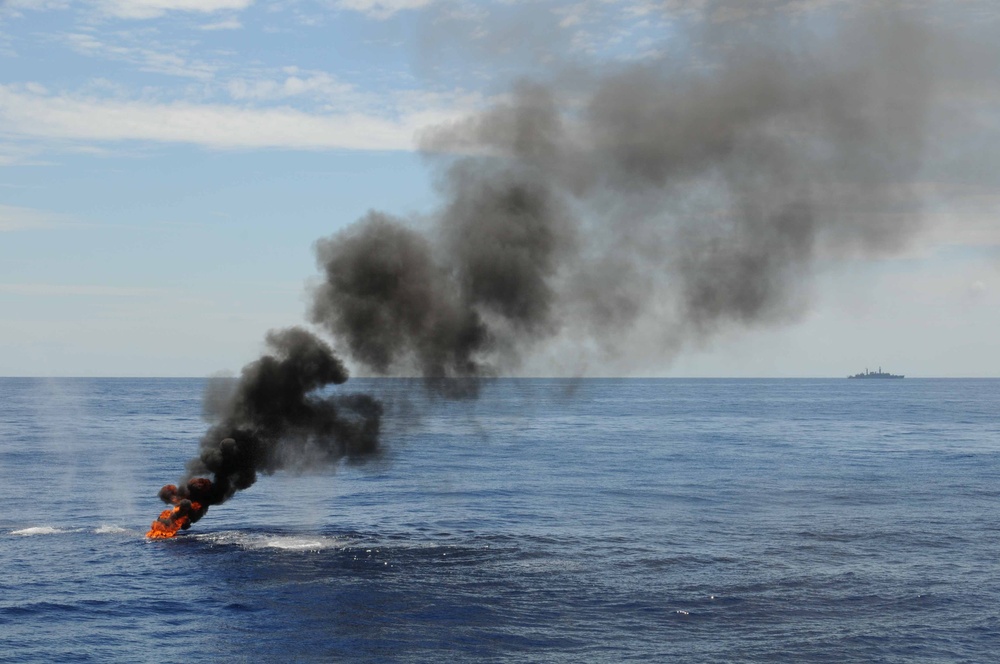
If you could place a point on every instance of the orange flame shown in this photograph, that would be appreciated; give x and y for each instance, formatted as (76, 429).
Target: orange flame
(170, 521)
(185, 510)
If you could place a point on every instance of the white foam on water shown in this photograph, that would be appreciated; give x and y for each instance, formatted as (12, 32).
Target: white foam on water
(226, 537)
(297, 543)
(105, 529)
(262, 541)
(38, 530)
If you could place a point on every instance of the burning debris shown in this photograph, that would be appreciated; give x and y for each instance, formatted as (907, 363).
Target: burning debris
(190, 502)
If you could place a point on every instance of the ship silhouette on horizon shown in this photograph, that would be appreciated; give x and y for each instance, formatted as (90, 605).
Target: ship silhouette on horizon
(875, 374)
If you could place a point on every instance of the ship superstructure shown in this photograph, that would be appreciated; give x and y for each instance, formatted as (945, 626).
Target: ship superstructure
(875, 374)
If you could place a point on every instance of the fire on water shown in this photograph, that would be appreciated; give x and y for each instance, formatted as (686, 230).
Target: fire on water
(190, 502)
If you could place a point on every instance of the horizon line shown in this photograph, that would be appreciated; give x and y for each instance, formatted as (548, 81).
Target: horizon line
(491, 378)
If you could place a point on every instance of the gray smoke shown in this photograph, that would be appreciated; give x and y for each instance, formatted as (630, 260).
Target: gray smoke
(634, 209)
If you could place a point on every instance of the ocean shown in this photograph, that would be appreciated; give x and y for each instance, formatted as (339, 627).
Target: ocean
(548, 521)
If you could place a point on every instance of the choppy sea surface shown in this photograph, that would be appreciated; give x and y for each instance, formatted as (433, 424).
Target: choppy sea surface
(549, 520)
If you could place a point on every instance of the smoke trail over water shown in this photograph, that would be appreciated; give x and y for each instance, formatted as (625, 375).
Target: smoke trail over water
(275, 416)
(660, 201)
(624, 210)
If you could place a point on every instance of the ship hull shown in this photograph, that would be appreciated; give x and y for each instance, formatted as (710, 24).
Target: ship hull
(877, 377)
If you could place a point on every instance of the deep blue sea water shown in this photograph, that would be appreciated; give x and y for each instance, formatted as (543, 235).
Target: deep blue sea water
(589, 520)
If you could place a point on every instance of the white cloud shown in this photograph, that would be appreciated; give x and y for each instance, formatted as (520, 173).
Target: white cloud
(294, 84)
(227, 24)
(11, 153)
(21, 219)
(152, 8)
(382, 9)
(88, 119)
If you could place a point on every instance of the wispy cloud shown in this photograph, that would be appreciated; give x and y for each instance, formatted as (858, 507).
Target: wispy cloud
(145, 58)
(127, 9)
(31, 113)
(21, 219)
(141, 9)
(231, 23)
(14, 153)
(292, 84)
(382, 9)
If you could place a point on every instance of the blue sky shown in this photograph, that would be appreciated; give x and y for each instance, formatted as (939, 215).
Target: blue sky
(166, 166)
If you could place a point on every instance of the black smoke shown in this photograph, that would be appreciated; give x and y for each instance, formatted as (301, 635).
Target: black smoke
(400, 303)
(604, 212)
(277, 415)
(630, 210)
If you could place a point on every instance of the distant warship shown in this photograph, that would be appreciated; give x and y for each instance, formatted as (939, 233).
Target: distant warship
(875, 374)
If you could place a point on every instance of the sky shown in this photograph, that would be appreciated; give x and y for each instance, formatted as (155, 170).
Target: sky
(167, 166)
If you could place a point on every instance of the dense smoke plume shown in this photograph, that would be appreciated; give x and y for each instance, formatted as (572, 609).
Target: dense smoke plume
(275, 416)
(644, 207)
